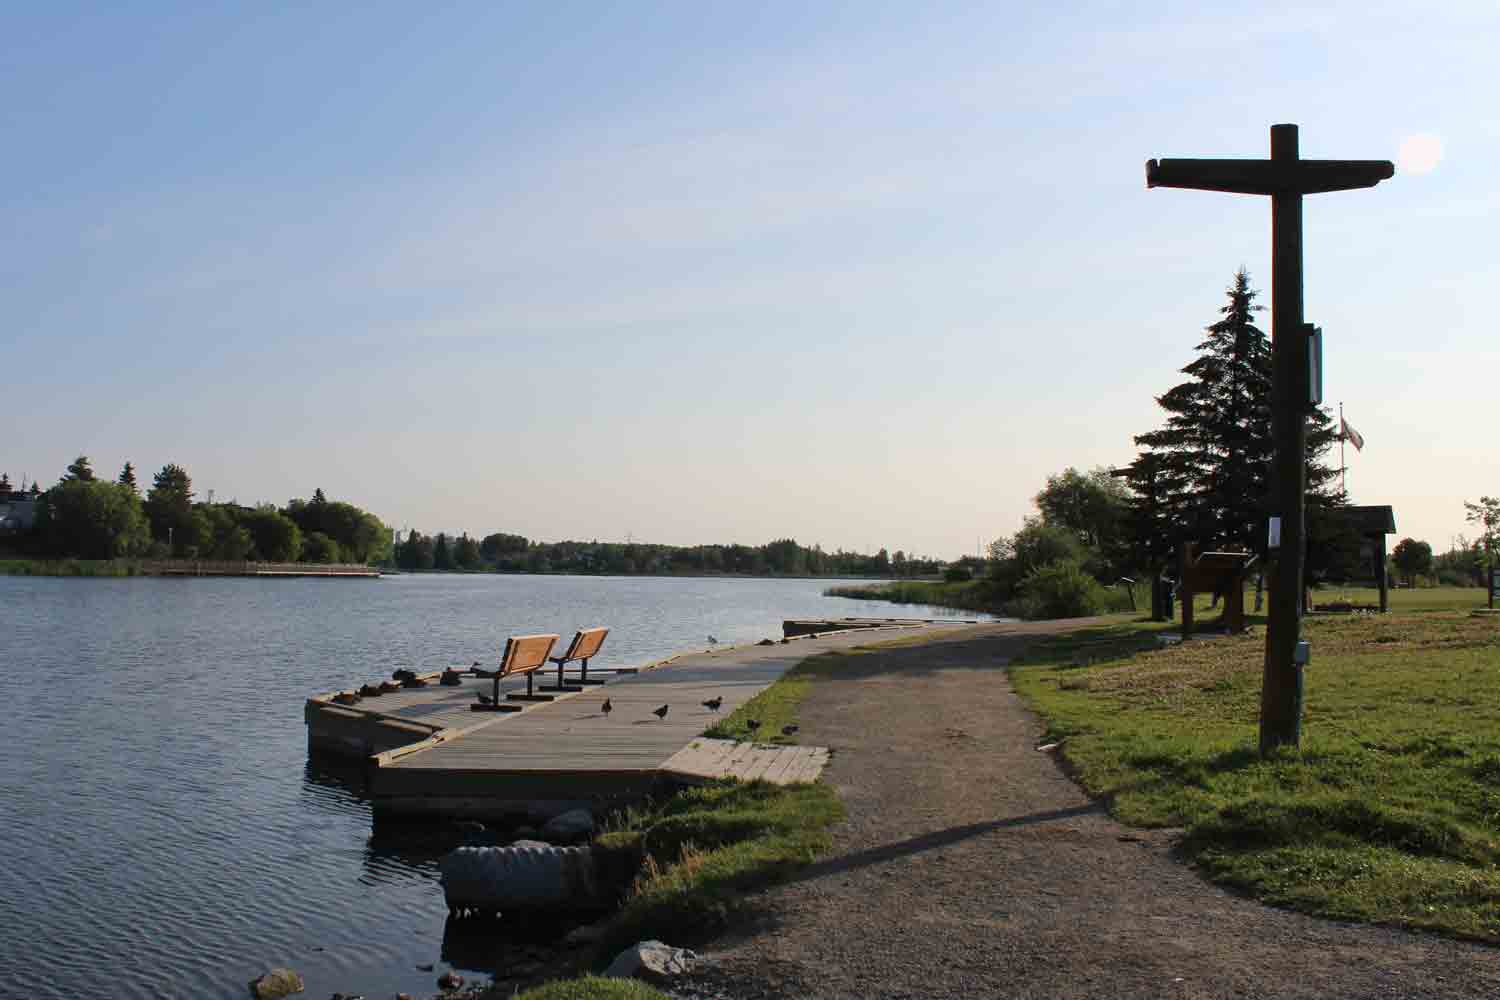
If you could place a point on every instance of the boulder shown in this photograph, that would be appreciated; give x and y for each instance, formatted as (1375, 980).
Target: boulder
(569, 827)
(276, 984)
(652, 961)
(531, 843)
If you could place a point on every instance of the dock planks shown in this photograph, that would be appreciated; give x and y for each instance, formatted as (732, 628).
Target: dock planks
(566, 752)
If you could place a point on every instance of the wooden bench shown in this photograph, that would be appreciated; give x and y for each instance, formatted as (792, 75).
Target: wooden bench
(524, 654)
(585, 644)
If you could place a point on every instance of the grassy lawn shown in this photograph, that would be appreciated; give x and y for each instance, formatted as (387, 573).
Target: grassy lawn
(593, 988)
(698, 852)
(1389, 812)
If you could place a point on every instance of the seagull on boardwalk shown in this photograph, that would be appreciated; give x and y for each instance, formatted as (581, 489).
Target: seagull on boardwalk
(712, 641)
(606, 708)
(484, 699)
(660, 713)
(713, 704)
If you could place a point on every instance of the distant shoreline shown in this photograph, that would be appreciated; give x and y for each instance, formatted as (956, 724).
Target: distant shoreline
(185, 569)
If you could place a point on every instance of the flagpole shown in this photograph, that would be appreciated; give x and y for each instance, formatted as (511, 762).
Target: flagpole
(1343, 466)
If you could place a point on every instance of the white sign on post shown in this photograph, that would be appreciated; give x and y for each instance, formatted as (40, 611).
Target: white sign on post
(1315, 367)
(1273, 540)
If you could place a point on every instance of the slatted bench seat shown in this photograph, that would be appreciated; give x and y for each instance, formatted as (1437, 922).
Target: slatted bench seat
(524, 654)
(585, 645)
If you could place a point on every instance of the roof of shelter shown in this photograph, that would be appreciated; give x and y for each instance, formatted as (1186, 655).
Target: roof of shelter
(1376, 520)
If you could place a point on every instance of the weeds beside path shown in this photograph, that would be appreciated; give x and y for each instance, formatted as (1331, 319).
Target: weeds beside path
(971, 866)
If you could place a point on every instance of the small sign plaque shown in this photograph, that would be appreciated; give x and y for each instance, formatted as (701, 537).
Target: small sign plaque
(1314, 365)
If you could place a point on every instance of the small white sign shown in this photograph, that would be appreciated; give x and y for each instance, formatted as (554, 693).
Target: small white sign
(1274, 541)
(1314, 365)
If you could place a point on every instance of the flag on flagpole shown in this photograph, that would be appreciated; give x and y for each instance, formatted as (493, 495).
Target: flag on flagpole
(1351, 435)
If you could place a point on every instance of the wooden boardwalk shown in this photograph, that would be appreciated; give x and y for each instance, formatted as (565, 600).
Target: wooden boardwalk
(440, 758)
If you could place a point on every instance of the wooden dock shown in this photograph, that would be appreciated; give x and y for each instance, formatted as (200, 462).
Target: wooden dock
(429, 754)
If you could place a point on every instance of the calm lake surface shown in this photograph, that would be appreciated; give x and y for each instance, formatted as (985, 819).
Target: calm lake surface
(164, 833)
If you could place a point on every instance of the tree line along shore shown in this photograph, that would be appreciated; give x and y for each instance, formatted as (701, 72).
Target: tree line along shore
(85, 525)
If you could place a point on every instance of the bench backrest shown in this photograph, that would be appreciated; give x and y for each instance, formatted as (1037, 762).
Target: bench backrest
(524, 653)
(585, 644)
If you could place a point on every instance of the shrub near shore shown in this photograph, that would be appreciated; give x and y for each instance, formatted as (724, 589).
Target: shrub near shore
(1389, 812)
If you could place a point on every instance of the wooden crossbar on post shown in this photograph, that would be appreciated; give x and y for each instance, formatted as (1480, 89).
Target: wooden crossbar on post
(1285, 177)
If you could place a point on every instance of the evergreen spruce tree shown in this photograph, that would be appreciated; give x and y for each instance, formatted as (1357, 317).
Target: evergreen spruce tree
(127, 478)
(80, 470)
(1205, 476)
(442, 558)
(4, 483)
(169, 507)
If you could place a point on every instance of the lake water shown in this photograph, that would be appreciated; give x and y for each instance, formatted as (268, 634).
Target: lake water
(164, 833)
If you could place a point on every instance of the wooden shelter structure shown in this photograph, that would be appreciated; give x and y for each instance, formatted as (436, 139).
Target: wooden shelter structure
(1373, 524)
(1214, 572)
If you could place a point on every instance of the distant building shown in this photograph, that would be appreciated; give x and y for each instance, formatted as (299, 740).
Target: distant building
(17, 511)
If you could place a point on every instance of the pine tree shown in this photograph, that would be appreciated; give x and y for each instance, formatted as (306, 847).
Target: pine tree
(80, 470)
(1205, 476)
(442, 558)
(127, 478)
(4, 483)
(169, 506)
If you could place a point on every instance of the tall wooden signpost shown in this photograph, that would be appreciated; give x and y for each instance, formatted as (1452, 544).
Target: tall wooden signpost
(1286, 178)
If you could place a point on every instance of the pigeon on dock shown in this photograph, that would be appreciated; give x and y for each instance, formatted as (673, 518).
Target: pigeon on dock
(752, 724)
(660, 713)
(789, 730)
(484, 699)
(713, 704)
(712, 641)
(606, 708)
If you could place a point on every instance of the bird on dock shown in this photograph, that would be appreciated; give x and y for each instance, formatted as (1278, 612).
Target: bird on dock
(752, 724)
(712, 641)
(484, 699)
(660, 713)
(403, 675)
(606, 708)
(713, 704)
(789, 730)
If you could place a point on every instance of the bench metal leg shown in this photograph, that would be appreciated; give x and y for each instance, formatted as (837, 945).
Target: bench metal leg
(496, 705)
(530, 695)
(561, 685)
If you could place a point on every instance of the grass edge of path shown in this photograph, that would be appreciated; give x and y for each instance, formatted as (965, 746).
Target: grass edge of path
(1388, 814)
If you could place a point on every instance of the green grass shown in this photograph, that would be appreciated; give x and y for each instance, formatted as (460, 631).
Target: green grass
(1390, 810)
(68, 567)
(587, 988)
(774, 708)
(971, 595)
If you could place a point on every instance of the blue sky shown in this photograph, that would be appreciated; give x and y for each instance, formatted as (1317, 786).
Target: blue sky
(858, 274)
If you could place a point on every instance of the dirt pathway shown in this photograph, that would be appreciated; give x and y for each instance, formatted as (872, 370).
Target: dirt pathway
(971, 866)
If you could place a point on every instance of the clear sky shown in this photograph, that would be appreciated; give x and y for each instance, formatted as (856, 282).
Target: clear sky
(859, 274)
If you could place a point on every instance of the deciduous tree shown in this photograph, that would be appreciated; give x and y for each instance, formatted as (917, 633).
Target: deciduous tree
(1412, 559)
(91, 520)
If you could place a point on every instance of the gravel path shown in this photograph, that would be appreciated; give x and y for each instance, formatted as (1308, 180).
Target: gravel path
(971, 866)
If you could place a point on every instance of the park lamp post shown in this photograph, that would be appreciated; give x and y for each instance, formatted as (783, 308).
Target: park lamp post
(1285, 177)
